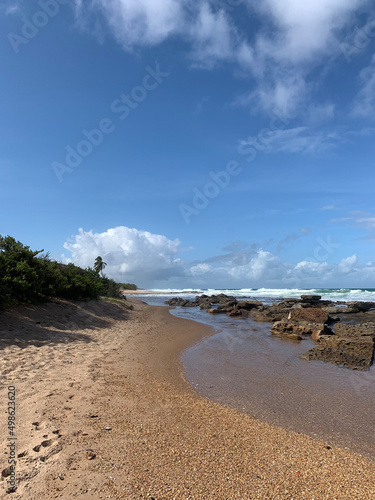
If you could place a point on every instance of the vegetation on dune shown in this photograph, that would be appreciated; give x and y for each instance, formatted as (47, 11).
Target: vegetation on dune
(128, 286)
(28, 276)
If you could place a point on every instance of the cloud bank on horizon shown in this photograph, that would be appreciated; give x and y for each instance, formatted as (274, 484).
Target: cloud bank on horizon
(151, 260)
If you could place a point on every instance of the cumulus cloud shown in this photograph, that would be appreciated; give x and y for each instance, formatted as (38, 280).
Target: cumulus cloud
(261, 268)
(152, 261)
(131, 255)
(263, 265)
(347, 265)
(200, 269)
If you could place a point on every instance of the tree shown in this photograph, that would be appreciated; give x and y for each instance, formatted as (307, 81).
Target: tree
(99, 266)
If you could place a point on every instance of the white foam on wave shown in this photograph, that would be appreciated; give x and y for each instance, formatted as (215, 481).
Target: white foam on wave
(335, 294)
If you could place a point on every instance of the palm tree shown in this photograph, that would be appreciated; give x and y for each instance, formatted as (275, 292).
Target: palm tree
(99, 265)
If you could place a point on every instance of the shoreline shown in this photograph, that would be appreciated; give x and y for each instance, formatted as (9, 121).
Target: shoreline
(120, 369)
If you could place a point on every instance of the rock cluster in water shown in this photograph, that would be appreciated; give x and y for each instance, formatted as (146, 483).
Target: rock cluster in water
(344, 331)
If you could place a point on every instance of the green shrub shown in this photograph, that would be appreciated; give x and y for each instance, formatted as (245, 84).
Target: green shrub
(28, 277)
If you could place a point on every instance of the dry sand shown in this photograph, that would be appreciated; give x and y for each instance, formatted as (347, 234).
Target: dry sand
(79, 368)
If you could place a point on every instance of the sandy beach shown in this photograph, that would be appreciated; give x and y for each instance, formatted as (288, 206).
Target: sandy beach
(103, 411)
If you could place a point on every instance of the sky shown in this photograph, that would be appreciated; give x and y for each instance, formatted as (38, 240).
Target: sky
(192, 144)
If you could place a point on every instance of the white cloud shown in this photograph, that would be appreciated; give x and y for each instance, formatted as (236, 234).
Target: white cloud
(282, 94)
(138, 22)
(364, 105)
(262, 265)
(296, 36)
(145, 23)
(291, 39)
(213, 37)
(131, 255)
(363, 132)
(294, 140)
(361, 220)
(200, 269)
(347, 265)
(305, 29)
(311, 268)
(320, 113)
(10, 7)
(151, 260)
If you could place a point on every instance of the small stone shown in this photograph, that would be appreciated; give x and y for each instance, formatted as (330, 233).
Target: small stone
(108, 429)
(90, 455)
(6, 472)
(61, 477)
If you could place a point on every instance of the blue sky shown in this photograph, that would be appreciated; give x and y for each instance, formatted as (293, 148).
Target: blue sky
(192, 144)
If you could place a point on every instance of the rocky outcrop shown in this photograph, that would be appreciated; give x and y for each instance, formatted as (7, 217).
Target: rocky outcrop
(340, 343)
(270, 314)
(311, 298)
(203, 301)
(356, 307)
(313, 315)
(226, 304)
(350, 308)
(355, 353)
(281, 310)
(363, 330)
(286, 328)
(216, 311)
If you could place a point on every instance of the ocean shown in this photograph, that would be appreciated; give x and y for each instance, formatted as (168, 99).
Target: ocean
(269, 295)
(244, 367)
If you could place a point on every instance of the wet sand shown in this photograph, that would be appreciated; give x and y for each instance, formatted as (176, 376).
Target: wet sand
(103, 411)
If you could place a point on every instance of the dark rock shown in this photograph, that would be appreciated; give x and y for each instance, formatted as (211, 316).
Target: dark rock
(269, 314)
(363, 330)
(203, 301)
(228, 305)
(311, 298)
(248, 305)
(356, 307)
(216, 311)
(236, 312)
(222, 298)
(286, 328)
(205, 304)
(310, 314)
(354, 353)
